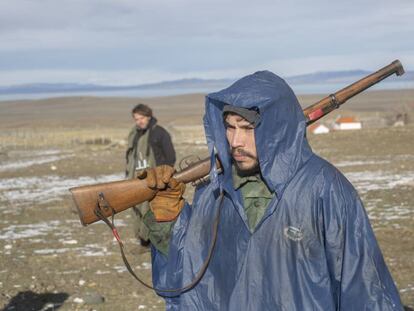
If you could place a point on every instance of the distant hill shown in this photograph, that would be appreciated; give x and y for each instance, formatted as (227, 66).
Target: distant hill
(350, 76)
(330, 77)
(76, 87)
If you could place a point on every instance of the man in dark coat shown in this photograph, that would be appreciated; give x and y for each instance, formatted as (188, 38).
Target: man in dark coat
(292, 233)
(149, 145)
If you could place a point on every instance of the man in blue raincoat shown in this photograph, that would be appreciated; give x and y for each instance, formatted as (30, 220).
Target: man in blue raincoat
(292, 233)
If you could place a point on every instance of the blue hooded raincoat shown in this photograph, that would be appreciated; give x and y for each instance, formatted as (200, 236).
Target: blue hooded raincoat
(314, 248)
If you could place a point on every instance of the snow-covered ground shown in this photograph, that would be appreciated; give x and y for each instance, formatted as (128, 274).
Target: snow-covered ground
(27, 159)
(32, 191)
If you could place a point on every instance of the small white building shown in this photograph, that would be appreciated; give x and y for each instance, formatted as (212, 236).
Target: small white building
(347, 123)
(318, 128)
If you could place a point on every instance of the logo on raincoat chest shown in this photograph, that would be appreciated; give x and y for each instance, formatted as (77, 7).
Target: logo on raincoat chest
(293, 233)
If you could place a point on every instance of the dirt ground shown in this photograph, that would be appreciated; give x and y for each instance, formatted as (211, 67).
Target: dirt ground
(49, 261)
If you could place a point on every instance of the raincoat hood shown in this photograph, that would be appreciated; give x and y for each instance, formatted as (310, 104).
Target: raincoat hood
(281, 144)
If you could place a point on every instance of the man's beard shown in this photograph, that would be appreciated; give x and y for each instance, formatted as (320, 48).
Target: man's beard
(251, 170)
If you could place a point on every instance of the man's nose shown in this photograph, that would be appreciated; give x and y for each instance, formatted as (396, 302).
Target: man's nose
(237, 139)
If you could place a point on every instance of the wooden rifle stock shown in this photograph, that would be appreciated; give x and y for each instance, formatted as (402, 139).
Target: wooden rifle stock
(114, 197)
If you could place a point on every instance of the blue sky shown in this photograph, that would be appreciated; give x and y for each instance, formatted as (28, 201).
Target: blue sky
(123, 42)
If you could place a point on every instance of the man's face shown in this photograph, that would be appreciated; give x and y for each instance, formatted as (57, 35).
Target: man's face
(141, 121)
(240, 135)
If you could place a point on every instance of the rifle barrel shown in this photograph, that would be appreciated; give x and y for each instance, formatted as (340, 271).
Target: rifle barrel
(333, 101)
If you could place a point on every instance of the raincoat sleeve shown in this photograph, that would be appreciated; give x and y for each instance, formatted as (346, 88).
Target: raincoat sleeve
(360, 277)
(167, 268)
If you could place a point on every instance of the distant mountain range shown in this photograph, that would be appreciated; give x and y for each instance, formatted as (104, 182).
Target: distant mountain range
(317, 78)
(77, 87)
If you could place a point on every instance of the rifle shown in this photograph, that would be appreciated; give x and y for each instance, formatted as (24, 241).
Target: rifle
(113, 197)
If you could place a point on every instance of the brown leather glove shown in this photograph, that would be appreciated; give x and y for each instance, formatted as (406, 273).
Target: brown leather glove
(168, 201)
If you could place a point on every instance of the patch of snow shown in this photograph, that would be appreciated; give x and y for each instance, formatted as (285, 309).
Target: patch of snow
(120, 269)
(90, 250)
(144, 266)
(379, 180)
(357, 163)
(27, 191)
(38, 153)
(25, 163)
(102, 272)
(407, 289)
(93, 250)
(70, 272)
(15, 232)
(48, 251)
(384, 213)
(78, 300)
(69, 242)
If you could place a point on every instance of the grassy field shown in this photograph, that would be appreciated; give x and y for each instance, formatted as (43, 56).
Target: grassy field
(47, 146)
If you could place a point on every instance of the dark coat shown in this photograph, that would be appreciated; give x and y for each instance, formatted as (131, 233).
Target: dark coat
(314, 248)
